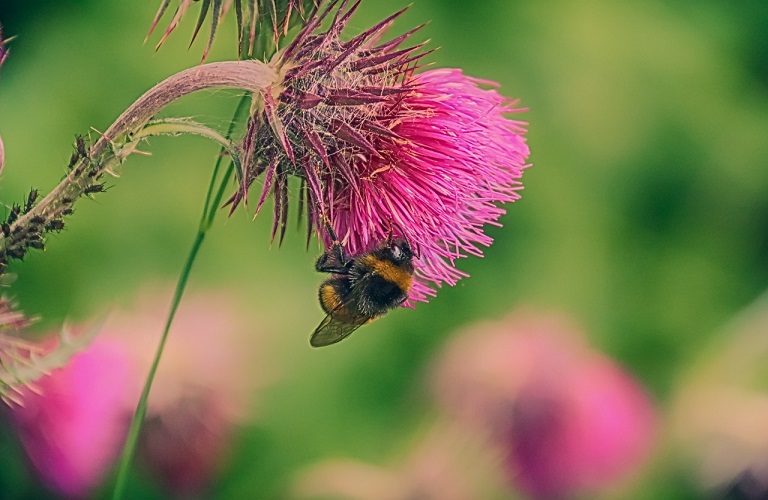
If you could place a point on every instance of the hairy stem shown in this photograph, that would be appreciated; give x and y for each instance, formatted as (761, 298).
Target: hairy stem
(251, 75)
(117, 143)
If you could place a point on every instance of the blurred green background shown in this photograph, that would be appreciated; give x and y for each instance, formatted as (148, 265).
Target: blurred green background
(645, 215)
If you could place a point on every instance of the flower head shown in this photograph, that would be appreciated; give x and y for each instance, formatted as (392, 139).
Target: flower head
(565, 418)
(15, 353)
(382, 149)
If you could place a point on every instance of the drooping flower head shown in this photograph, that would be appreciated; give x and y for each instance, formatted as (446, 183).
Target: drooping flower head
(382, 149)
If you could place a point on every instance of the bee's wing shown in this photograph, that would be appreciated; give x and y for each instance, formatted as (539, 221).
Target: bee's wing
(331, 330)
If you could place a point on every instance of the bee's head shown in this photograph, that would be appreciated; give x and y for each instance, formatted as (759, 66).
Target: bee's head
(399, 250)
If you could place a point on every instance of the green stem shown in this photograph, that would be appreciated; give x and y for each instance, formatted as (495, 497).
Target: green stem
(209, 213)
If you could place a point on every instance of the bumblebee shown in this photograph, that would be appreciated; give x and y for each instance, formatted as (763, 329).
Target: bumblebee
(361, 288)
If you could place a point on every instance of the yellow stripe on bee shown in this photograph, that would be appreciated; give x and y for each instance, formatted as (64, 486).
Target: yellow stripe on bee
(390, 272)
(329, 299)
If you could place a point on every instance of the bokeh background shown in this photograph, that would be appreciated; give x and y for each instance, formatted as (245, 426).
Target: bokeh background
(644, 217)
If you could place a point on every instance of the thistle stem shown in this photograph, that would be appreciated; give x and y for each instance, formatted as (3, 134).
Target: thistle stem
(209, 213)
(117, 143)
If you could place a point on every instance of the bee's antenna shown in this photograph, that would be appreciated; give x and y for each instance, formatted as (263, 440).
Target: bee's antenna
(389, 234)
(415, 248)
(416, 251)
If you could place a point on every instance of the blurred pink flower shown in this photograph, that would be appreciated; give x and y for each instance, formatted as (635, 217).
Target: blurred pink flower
(74, 429)
(565, 418)
(183, 445)
(382, 149)
(204, 385)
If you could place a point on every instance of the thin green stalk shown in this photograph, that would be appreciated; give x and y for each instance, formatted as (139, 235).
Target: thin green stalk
(209, 213)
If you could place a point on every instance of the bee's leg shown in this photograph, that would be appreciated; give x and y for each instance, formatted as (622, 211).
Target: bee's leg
(336, 247)
(333, 260)
(328, 263)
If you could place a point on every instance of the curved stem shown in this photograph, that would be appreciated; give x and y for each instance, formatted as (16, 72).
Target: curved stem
(251, 76)
(209, 212)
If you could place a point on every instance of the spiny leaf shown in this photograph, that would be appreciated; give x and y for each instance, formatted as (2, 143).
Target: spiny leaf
(281, 204)
(163, 6)
(203, 13)
(269, 176)
(252, 15)
(217, 10)
(239, 16)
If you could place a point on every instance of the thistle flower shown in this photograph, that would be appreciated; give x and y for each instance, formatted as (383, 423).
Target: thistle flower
(72, 426)
(203, 390)
(565, 418)
(381, 149)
